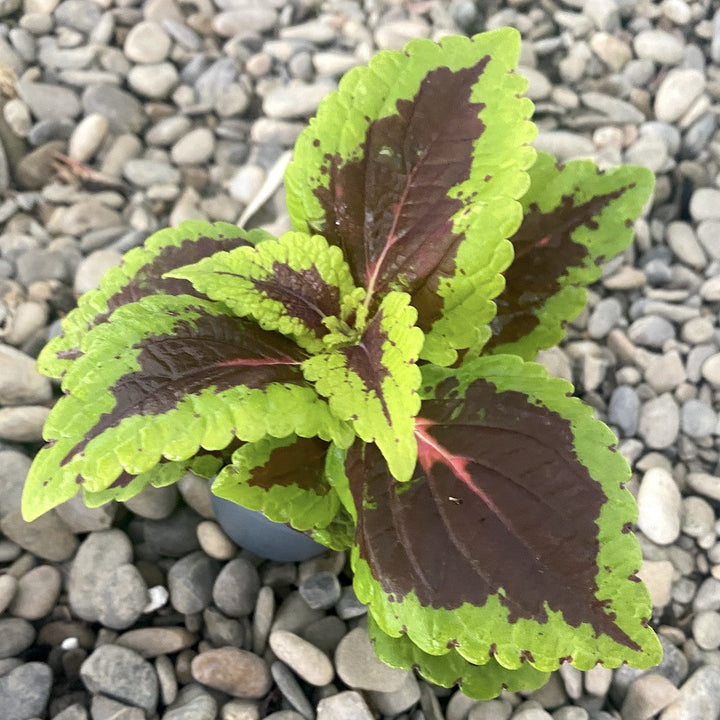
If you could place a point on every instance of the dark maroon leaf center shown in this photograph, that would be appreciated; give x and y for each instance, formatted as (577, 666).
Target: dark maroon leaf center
(389, 209)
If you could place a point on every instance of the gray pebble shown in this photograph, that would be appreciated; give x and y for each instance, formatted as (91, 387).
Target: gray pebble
(698, 419)
(705, 204)
(123, 675)
(236, 588)
(154, 503)
(711, 370)
(149, 642)
(122, 110)
(262, 619)
(23, 424)
(294, 614)
(155, 82)
(698, 517)
(398, 700)
(37, 592)
(699, 697)
(706, 629)
(82, 519)
(49, 102)
(708, 595)
(143, 173)
(346, 705)
(290, 689)
(14, 468)
(24, 692)
(698, 330)
(659, 423)
(659, 46)
(194, 148)
(168, 130)
(8, 588)
(604, 317)
(174, 536)
(325, 633)
(683, 242)
(250, 19)
(677, 92)
(221, 630)
(20, 382)
(708, 232)
(651, 331)
(193, 703)
(659, 507)
(310, 663)
(166, 678)
(190, 582)
(120, 599)
(705, 484)
(98, 556)
(647, 696)
(321, 590)
(147, 42)
(295, 99)
(47, 537)
(16, 636)
(348, 606)
(359, 667)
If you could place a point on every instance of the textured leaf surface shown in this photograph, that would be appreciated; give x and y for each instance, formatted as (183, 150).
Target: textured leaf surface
(162, 378)
(126, 486)
(477, 681)
(290, 285)
(575, 218)
(413, 168)
(373, 383)
(282, 477)
(140, 275)
(512, 539)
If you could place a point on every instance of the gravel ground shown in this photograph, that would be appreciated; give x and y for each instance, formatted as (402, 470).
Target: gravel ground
(122, 116)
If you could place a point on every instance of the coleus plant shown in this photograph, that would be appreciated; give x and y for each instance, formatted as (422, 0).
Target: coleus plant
(368, 376)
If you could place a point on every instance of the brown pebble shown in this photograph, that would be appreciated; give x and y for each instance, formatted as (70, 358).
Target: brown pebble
(237, 672)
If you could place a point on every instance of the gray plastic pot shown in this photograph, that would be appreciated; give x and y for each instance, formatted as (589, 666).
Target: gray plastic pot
(251, 530)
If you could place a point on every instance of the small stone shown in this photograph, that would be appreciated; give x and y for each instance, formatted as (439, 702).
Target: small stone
(613, 51)
(647, 696)
(82, 217)
(249, 19)
(294, 99)
(659, 506)
(236, 588)
(190, 582)
(294, 614)
(564, 145)
(683, 242)
(706, 629)
(705, 484)
(195, 148)
(321, 590)
(47, 537)
(310, 663)
(154, 81)
(604, 317)
(98, 556)
(395, 34)
(708, 232)
(704, 204)
(707, 596)
(168, 130)
(679, 89)
(121, 674)
(16, 636)
(651, 331)
(23, 424)
(87, 137)
(121, 598)
(37, 592)
(699, 697)
(711, 370)
(144, 172)
(24, 691)
(49, 102)
(92, 269)
(174, 536)
(8, 588)
(20, 382)
(147, 43)
(149, 642)
(359, 667)
(698, 516)
(193, 703)
(659, 46)
(122, 110)
(154, 503)
(346, 705)
(665, 372)
(659, 422)
(710, 289)
(624, 410)
(393, 702)
(290, 689)
(658, 578)
(236, 672)
(490, 710)
(214, 542)
(597, 680)
(82, 519)
(166, 677)
(697, 331)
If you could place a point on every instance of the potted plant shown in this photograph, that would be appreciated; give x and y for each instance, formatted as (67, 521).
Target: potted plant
(368, 376)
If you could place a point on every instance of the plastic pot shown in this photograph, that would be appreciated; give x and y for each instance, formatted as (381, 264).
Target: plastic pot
(251, 530)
